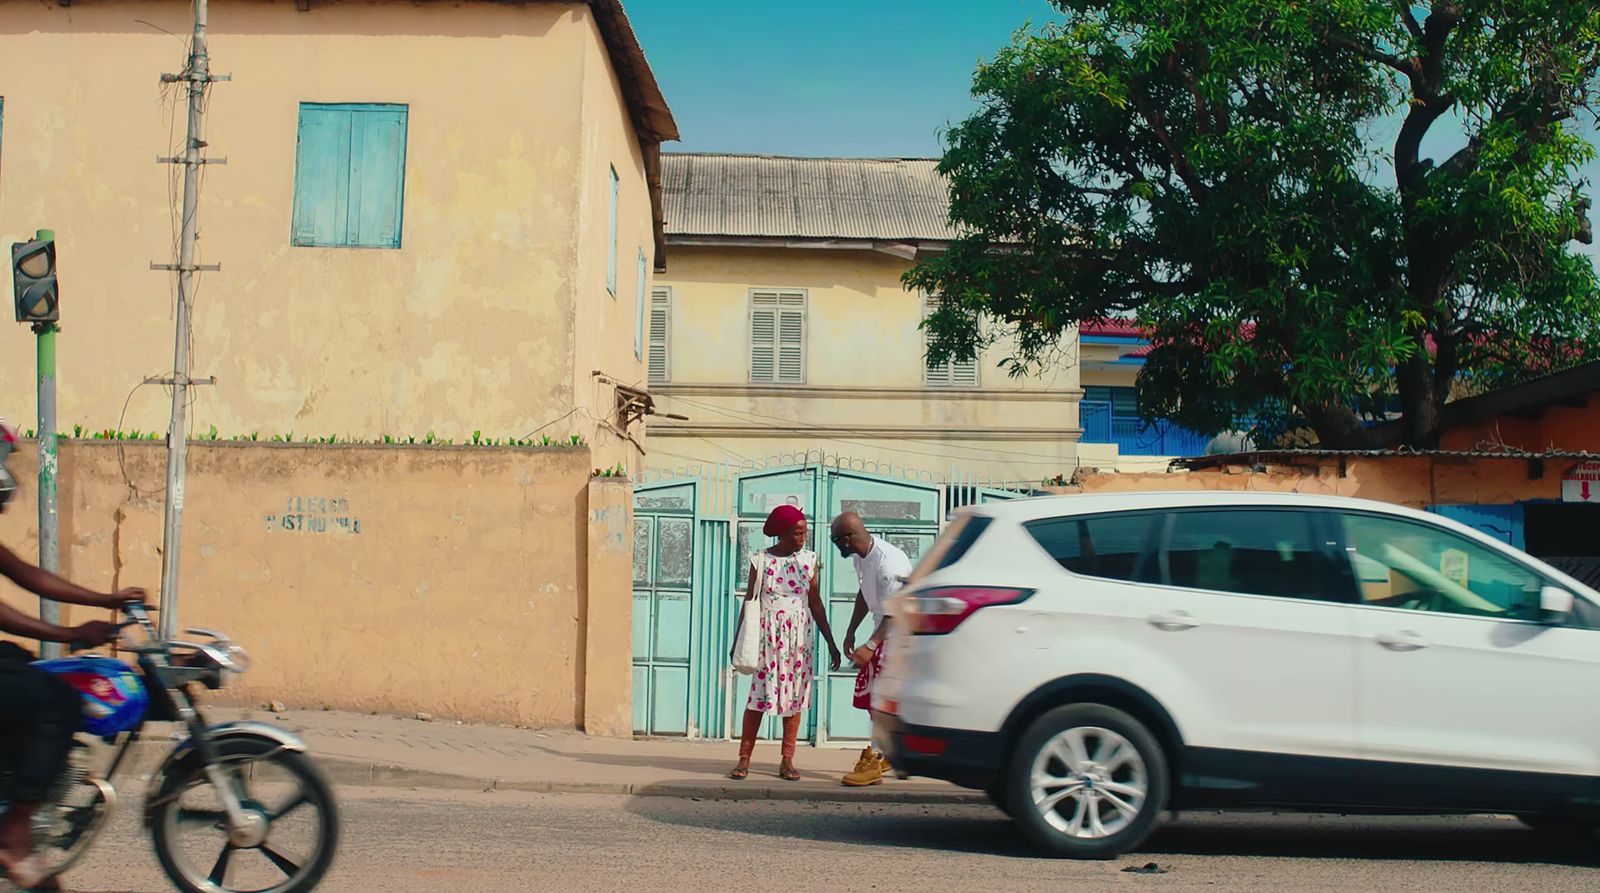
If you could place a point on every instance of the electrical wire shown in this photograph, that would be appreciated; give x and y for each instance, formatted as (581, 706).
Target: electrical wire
(122, 457)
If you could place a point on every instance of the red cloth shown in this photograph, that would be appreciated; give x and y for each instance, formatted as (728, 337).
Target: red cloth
(782, 520)
(864, 679)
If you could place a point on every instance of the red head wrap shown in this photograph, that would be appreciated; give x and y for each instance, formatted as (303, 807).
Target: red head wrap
(782, 520)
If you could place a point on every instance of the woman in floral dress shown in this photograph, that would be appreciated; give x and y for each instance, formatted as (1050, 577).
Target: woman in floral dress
(785, 577)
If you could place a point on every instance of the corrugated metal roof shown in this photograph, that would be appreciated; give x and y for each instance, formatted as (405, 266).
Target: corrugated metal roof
(762, 196)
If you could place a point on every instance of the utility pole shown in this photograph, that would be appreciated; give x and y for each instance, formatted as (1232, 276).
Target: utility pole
(49, 550)
(198, 77)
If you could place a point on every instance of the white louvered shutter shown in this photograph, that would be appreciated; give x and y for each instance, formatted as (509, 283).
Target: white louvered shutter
(952, 373)
(763, 336)
(778, 337)
(964, 373)
(660, 325)
(792, 338)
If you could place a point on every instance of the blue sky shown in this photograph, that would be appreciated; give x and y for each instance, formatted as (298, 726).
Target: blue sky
(824, 77)
(828, 77)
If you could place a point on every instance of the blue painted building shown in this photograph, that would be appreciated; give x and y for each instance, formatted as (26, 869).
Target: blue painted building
(1110, 355)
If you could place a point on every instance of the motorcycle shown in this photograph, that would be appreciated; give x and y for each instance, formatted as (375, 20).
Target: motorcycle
(238, 806)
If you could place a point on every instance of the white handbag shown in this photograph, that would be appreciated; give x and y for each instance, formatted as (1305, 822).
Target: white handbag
(746, 652)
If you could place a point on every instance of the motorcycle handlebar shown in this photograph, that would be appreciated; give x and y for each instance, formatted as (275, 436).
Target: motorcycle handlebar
(138, 614)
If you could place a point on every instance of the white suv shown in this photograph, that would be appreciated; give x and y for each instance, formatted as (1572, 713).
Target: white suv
(1092, 661)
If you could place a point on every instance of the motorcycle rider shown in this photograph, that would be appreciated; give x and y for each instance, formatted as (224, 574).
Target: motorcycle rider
(39, 713)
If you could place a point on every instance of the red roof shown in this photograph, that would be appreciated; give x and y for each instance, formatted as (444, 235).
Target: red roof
(1113, 328)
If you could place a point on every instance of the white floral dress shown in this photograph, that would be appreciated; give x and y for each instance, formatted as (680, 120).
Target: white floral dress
(782, 681)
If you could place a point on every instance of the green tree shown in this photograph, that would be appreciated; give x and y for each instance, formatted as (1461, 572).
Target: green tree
(1312, 204)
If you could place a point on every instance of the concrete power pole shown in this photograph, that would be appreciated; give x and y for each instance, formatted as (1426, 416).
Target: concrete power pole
(198, 77)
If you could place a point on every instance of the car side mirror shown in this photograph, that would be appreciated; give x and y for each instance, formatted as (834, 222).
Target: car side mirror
(1555, 605)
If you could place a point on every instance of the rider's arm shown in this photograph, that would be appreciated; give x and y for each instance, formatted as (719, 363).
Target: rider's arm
(19, 624)
(42, 583)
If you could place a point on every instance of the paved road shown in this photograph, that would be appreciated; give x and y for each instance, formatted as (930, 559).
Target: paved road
(399, 842)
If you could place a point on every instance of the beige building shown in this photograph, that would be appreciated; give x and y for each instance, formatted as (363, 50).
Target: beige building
(782, 326)
(434, 217)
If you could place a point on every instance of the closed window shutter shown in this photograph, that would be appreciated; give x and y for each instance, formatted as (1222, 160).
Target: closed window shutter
(951, 373)
(660, 323)
(377, 177)
(350, 176)
(792, 345)
(322, 176)
(778, 336)
(964, 373)
(638, 308)
(611, 249)
(763, 337)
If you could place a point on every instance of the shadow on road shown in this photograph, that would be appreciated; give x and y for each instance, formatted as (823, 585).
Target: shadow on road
(978, 830)
(1420, 839)
(971, 829)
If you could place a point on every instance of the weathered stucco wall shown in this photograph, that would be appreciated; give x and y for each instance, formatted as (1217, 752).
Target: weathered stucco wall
(607, 325)
(1412, 481)
(1554, 428)
(468, 326)
(864, 394)
(454, 581)
(608, 612)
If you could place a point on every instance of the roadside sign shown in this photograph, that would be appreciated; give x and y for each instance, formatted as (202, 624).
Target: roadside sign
(1582, 483)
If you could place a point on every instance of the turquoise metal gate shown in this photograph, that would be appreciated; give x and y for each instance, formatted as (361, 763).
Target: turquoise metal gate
(681, 613)
(694, 530)
(906, 513)
(663, 615)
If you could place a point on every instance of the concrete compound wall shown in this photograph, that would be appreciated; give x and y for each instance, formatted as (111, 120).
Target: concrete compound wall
(1415, 481)
(471, 583)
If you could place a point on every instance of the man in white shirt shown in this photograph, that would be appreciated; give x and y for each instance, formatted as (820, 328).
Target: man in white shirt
(882, 569)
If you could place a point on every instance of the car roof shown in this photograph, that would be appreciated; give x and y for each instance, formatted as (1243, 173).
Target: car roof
(1097, 503)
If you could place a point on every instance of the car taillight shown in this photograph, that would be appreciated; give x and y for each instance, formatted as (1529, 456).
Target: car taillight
(934, 612)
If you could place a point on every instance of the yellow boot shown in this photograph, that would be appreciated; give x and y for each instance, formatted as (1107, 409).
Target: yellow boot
(868, 771)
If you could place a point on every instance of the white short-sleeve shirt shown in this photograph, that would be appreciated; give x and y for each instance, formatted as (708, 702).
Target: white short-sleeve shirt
(880, 571)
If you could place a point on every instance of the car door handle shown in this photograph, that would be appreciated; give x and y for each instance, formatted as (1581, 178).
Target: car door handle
(1174, 621)
(1402, 641)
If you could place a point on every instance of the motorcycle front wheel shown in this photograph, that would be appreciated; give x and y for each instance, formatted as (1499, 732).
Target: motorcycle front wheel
(291, 829)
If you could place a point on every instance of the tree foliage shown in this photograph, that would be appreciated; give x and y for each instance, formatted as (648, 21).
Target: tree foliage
(1311, 204)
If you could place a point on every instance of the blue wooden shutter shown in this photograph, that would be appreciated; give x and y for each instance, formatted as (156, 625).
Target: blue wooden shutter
(377, 176)
(322, 176)
(638, 332)
(611, 257)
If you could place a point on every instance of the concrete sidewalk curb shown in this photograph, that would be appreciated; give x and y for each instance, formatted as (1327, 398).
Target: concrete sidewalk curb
(357, 773)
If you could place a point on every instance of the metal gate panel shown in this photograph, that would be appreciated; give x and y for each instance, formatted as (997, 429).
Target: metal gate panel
(694, 532)
(906, 514)
(663, 607)
(713, 610)
(758, 494)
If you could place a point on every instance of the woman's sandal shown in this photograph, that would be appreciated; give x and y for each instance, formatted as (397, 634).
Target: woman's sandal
(789, 774)
(739, 773)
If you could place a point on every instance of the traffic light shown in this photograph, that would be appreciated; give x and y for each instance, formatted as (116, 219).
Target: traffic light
(33, 273)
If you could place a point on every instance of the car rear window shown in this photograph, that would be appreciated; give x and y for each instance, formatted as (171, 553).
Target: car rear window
(954, 544)
(1110, 546)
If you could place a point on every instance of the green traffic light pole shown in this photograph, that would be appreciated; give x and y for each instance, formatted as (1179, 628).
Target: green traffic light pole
(49, 555)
